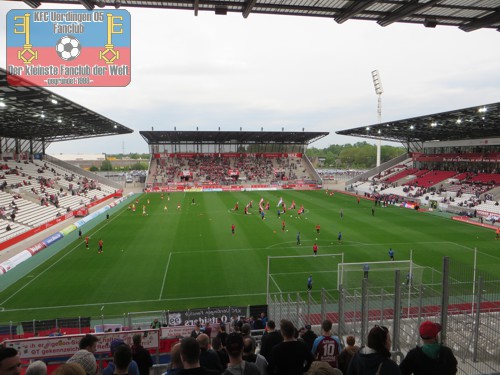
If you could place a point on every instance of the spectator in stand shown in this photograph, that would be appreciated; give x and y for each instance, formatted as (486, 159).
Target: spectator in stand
(221, 351)
(133, 368)
(208, 357)
(85, 356)
(291, 356)
(270, 339)
(190, 356)
(322, 368)
(247, 332)
(432, 358)
(347, 354)
(155, 324)
(196, 331)
(222, 334)
(122, 359)
(375, 358)
(37, 368)
(208, 329)
(309, 336)
(327, 347)
(249, 355)
(238, 366)
(69, 369)
(141, 355)
(10, 363)
(175, 365)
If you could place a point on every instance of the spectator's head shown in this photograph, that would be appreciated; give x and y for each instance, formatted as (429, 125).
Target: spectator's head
(175, 356)
(137, 339)
(203, 340)
(380, 340)
(326, 326)
(69, 369)
(85, 359)
(115, 344)
(271, 325)
(37, 368)
(10, 363)
(190, 352)
(308, 327)
(89, 342)
(322, 368)
(248, 346)
(350, 340)
(429, 330)
(234, 345)
(217, 343)
(287, 329)
(122, 357)
(245, 329)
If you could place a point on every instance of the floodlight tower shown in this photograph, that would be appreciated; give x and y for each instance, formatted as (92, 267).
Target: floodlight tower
(379, 90)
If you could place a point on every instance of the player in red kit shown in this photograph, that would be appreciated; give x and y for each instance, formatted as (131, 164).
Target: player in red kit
(232, 228)
(86, 242)
(100, 246)
(315, 249)
(283, 226)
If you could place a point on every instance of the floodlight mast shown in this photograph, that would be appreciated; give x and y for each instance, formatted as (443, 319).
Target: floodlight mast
(379, 90)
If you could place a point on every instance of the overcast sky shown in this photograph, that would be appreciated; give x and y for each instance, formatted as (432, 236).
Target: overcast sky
(282, 72)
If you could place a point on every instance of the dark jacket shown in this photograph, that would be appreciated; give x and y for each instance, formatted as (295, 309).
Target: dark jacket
(367, 362)
(143, 359)
(269, 340)
(309, 337)
(417, 362)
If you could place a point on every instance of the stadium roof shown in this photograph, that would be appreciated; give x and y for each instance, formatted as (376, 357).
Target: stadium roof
(239, 137)
(468, 15)
(34, 113)
(467, 123)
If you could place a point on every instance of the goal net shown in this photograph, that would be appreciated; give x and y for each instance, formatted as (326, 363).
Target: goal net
(289, 274)
(379, 274)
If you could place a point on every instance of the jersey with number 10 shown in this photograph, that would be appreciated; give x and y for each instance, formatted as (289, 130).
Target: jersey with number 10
(327, 349)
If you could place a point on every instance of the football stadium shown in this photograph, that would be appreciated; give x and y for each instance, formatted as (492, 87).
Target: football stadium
(235, 228)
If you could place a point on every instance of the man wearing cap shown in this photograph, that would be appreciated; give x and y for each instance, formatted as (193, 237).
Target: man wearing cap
(432, 357)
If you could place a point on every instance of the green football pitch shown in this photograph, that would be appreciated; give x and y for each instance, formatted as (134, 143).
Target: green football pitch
(188, 257)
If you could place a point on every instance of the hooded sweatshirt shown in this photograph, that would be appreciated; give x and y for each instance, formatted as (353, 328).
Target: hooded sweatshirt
(368, 362)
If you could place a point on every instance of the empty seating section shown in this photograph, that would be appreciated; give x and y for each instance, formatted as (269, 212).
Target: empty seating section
(33, 193)
(428, 179)
(486, 178)
(398, 176)
(225, 170)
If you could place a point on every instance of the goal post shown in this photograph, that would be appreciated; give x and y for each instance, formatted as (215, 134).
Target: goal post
(289, 273)
(350, 275)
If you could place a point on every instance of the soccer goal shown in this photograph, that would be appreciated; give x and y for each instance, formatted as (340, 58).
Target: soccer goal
(350, 275)
(289, 274)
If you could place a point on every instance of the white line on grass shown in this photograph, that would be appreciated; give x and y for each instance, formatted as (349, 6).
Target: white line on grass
(164, 277)
(53, 264)
(275, 283)
(131, 302)
(472, 250)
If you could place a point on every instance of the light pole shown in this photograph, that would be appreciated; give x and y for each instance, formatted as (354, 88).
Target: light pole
(377, 83)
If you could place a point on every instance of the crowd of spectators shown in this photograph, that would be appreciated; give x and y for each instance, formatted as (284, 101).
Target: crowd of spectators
(216, 170)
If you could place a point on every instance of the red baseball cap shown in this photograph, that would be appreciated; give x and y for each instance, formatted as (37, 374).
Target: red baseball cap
(429, 330)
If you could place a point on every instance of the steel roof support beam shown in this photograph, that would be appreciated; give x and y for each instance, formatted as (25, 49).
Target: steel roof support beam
(353, 9)
(406, 10)
(248, 8)
(482, 22)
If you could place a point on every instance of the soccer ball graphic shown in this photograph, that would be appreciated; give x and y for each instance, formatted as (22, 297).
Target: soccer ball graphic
(68, 48)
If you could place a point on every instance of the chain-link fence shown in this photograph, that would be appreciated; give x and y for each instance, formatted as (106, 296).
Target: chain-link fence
(466, 303)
